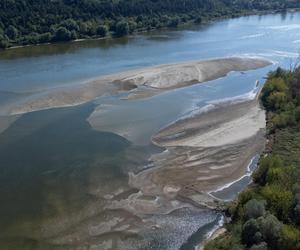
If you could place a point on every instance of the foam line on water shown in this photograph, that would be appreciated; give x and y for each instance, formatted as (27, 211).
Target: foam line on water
(220, 223)
(211, 105)
(247, 174)
(210, 233)
(252, 36)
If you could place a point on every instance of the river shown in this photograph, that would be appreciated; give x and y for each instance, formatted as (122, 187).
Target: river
(64, 172)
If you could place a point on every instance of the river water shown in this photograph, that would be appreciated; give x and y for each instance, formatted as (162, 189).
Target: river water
(58, 175)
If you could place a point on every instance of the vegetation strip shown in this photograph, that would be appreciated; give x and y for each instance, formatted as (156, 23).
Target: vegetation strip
(44, 21)
(267, 214)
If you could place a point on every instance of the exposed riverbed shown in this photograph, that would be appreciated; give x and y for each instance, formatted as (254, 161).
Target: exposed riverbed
(127, 143)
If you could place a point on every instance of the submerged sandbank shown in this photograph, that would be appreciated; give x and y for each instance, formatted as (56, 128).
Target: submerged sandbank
(204, 152)
(145, 82)
(6, 121)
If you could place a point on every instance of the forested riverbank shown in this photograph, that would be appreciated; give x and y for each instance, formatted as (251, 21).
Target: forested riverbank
(35, 22)
(267, 214)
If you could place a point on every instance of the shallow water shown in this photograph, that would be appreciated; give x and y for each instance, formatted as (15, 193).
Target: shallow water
(56, 170)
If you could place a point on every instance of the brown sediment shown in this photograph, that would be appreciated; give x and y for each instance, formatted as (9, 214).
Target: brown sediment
(204, 152)
(149, 81)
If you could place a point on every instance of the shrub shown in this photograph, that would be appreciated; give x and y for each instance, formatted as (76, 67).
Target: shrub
(102, 30)
(3, 42)
(283, 119)
(132, 26)
(62, 34)
(70, 24)
(279, 200)
(297, 113)
(270, 228)
(249, 230)
(12, 32)
(276, 100)
(274, 84)
(290, 238)
(122, 28)
(260, 246)
(254, 209)
(281, 176)
(297, 213)
(45, 37)
(173, 23)
(271, 161)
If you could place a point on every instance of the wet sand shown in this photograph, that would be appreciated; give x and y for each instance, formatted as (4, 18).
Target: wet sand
(145, 82)
(204, 153)
(199, 154)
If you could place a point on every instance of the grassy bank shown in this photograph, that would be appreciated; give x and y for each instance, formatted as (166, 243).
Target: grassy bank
(267, 214)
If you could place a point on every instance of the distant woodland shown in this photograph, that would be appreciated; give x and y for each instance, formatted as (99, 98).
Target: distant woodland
(25, 22)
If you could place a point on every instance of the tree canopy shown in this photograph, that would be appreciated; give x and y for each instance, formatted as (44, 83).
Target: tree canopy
(39, 21)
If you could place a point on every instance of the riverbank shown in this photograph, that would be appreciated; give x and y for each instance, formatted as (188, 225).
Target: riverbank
(273, 197)
(199, 158)
(180, 23)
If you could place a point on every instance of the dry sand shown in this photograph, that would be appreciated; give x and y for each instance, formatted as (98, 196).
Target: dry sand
(204, 152)
(150, 81)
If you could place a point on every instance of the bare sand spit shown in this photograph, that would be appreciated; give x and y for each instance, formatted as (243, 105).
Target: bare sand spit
(204, 152)
(145, 82)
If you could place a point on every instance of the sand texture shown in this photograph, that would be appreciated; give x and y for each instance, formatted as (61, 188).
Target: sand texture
(142, 82)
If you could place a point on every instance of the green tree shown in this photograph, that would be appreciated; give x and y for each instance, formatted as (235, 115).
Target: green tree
(270, 228)
(254, 209)
(260, 246)
(4, 43)
(122, 28)
(12, 32)
(271, 161)
(249, 230)
(62, 34)
(289, 238)
(279, 200)
(102, 30)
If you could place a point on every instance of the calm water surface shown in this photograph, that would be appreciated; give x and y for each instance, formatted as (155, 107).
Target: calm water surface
(55, 167)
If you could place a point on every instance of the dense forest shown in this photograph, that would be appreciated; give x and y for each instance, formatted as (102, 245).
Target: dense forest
(40, 21)
(267, 214)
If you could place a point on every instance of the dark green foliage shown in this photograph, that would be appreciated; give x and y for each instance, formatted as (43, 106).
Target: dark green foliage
(11, 32)
(265, 228)
(297, 213)
(250, 228)
(274, 224)
(290, 238)
(260, 246)
(62, 34)
(254, 209)
(174, 22)
(102, 30)
(271, 161)
(122, 28)
(3, 41)
(25, 21)
(270, 228)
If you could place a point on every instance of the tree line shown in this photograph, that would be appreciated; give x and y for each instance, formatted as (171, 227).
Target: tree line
(25, 22)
